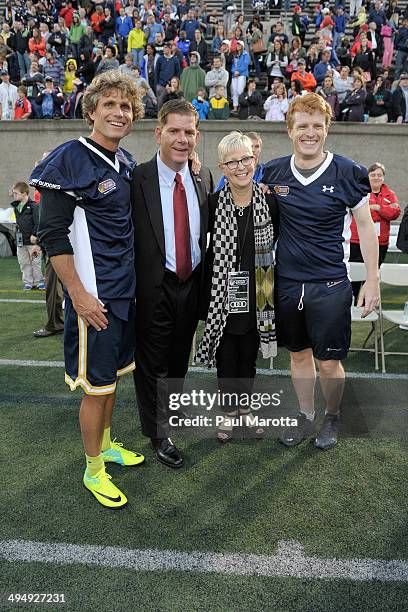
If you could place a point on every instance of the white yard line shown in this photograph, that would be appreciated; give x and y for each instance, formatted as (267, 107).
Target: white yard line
(263, 371)
(23, 301)
(289, 561)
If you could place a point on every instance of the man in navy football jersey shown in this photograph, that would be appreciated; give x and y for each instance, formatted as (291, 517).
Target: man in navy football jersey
(87, 231)
(317, 191)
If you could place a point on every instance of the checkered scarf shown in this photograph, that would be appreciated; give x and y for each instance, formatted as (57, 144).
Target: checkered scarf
(225, 241)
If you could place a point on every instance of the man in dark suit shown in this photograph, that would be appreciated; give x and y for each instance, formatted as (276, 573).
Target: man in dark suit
(170, 219)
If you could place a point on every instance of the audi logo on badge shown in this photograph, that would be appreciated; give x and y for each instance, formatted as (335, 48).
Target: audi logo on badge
(238, 304)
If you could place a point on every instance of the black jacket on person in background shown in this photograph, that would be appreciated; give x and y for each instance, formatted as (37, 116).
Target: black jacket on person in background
(250, 106)
(27, 220)
(398, 104)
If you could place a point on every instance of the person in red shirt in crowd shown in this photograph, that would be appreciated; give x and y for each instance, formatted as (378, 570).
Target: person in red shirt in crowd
(22, 108)
(384, 208)
(305, 78)
(96, 19)
(67, 12)
(37, 43)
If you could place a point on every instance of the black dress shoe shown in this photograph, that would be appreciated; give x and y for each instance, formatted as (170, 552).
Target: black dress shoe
(166, 452)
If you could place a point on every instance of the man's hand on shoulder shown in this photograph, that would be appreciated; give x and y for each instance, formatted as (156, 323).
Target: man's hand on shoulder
(90, 309)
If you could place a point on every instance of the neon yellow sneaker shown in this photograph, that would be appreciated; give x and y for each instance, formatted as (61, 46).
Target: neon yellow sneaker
(117, 454)
(104, 490)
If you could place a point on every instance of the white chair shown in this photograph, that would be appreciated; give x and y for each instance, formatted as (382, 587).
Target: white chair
(396, 275)
(358, 273)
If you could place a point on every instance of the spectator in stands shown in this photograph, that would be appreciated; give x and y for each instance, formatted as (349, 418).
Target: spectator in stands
(88, 41)
(57, 42)
(166, 67)
(50, 100)
(277, 61)
(86, 68)
(321, 68)
(299, 26)
(374, 40)
(237, 36)
(326, 31)
(199, 45)
(22, 107)
(306, 79)
(343, 82)
(70, 76)
(108, 62)
(193, 77)
(136, 43)
(384, 208)
(329, 93)
(184, 45)
(378, 102)
(355, 6)
(20, 46)
(190, 25)
(388, 32)
(352, 107)
(148, 66)
(201, 104)
(296, 52)
(217, 76)
(296, 89)
(127, 67)
(173, 90)
(239, 72)
(150, 107)
(218, 38)
(67, 12)
(399, 109)
(340, 23)
(76, 31)
(250, 102)
(36, 43)
(28, 252)
(73, 105)
(34, 81)
(401, 45)
(123, 27)
(364, 58)
(219, 105)
(227, 57)
(8, 97)
(229, 9)
(54, 69)
(212, 24)
(256, 45)
(107, 25)
(276, 105)
(360, 21)
(139, 80)
(277, 31)
(312, 57)
(377, 15)
(96, 19)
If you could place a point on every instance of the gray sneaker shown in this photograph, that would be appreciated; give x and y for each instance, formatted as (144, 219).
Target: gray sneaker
(329, 431)
(305, 428)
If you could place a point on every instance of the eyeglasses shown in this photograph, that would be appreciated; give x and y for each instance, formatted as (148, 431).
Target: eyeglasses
(234, 163)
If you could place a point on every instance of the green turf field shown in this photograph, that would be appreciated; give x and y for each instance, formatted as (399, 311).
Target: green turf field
(348, 503)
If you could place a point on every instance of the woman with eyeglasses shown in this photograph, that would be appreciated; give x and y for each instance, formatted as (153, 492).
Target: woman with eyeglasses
(384, 208)
(240, 318)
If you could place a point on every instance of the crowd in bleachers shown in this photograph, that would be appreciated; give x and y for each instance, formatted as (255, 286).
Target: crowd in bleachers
(355, 56)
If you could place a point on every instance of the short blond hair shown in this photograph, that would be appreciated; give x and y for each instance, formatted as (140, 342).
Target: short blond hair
(103, 84)
(233, 142)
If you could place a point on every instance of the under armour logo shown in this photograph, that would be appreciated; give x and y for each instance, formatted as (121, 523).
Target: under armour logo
(326, 188)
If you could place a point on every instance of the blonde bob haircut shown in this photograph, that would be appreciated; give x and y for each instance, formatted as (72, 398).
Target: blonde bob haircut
(103, 85)
(310, 103)
(234, 141)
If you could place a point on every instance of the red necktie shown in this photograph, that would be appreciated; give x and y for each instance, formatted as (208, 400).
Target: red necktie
(181, 230)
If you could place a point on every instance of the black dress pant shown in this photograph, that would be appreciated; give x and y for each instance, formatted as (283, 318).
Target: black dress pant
(163, 351)
(54, 295)
(236, 364)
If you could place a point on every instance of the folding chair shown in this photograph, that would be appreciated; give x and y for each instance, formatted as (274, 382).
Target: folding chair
(358, 273)
(396, 275)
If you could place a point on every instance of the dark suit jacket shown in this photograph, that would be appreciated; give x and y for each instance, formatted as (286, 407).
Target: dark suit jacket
(150, 254)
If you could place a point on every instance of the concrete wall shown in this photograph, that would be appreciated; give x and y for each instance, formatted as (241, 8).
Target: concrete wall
(23, 142)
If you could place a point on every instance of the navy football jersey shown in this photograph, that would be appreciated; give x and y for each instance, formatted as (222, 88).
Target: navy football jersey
(315, 216)
(101, 233)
